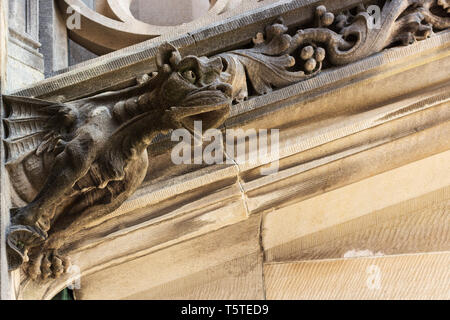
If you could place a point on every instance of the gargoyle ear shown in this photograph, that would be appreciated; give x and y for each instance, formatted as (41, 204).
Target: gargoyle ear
(167, 57)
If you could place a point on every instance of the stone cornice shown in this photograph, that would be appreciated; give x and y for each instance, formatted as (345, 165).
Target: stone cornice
(122, 66)
(112, 26)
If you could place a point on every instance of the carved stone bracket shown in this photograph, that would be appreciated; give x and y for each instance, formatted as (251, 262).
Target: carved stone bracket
(72, 162)
(92, 152)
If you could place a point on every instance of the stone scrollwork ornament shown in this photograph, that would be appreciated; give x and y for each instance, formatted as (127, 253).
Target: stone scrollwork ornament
(352, 35)
(278, 59)
(73, 162)
(268, 65)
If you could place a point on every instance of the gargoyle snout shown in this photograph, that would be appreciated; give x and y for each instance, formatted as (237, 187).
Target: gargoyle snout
(226, 89)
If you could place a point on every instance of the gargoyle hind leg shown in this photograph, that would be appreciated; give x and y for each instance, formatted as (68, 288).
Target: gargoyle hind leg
(31, 223)
(51, 261)
(177, 114)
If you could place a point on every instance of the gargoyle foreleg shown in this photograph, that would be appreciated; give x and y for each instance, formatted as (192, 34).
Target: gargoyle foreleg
(47, 264)
(31, 223)
(178, 116)
(70, 165)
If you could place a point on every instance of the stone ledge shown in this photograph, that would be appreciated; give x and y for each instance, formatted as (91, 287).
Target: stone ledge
(121, 67)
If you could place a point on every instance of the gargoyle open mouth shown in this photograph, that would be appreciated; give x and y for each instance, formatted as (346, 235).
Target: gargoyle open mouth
(210, 106)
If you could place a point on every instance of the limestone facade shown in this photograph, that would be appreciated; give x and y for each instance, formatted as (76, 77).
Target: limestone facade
(358, 204)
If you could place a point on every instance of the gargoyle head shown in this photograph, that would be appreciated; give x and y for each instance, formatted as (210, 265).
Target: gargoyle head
(192, 89)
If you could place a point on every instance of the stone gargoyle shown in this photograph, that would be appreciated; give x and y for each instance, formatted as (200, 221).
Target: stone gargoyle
(78, 160)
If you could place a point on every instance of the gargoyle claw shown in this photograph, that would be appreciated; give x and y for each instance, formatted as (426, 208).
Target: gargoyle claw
(48, 264)
(19, 239)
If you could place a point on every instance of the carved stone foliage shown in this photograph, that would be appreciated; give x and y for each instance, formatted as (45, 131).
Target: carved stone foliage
(268, 65)
(356, 34)
(278, 59)
(72, 162)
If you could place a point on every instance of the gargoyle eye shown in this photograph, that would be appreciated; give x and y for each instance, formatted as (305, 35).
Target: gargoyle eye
(190, 76)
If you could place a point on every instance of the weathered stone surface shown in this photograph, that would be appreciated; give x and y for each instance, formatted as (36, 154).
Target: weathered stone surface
(416, 276)
(113, 25)
(53, 36)
(415, 225)
(170, 13)
(361, 153)
(334, 151)
(25, 64)
(367, 204)
(224, 264)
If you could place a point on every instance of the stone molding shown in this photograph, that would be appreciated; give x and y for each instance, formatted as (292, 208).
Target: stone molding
(96, 75)
(113, 27)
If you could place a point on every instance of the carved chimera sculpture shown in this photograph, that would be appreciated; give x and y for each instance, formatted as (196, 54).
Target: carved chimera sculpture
(93, 151)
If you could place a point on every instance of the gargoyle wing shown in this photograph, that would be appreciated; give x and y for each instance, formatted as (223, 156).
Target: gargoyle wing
(35, 132)
(34, 125)
(32, 130)
(30, 126)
